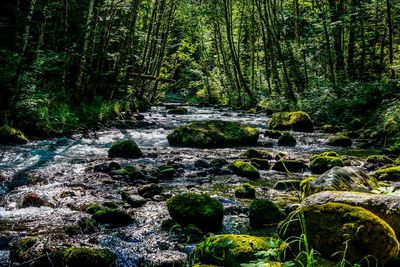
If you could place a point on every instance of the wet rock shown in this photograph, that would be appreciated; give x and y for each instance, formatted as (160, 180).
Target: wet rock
(134, 201)
(287, 185)
(91, 208)
(202, 174)
(219, 162)
(323, 162)
(89, 257)
(178, 111)
(32, 200)
(334, 227)
(167, 258)
(339, 141)
(272, 134)
(261, 164)
(287, 139)
(201, 210)
(285, 165)
(220, 171)
(244, 169)
(125, 149)
(245, 191)
(341, 179)
(9, 135)
(297, 121)
(388, 174)
(23, 250)
(256, 153)
(114, 217)
(380, 160)
(104, 168)
(264, 213)
(138, 116)
(114, 166)
(386, 207)
(232, 250)
(166, 172)
(213, 134)
(150, 190)
(202, 164)
(327, 128)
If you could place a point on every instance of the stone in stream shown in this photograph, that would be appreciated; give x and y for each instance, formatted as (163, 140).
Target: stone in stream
(287, 139)
(89, 257)
(113, 217)
(290, 165)
(335, 227)
(33, 200)
(386, 207)
(287, 185)
(202, 164)
(264, 213)
(219, 163)
(327, 128)
(323, 162)
(166, 172)
(135, 201)
(297, 121)
(199, 209)
(273, 134)
(339, 140)
(178, 111)
(214, 134)
(379, 160)
(244, 169)
(125, 149)
(341, 179)
(261, 164)
(245, 191)
(233, 250)
(150, 190)
(256, 153)
(391, 174)
(9, 135)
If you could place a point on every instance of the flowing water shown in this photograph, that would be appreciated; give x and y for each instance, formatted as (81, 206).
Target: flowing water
(60, 170)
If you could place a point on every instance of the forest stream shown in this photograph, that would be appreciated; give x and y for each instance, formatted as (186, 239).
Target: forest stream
(65, 173)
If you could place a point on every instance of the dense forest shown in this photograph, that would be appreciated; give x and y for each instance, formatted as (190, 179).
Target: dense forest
(200, 133)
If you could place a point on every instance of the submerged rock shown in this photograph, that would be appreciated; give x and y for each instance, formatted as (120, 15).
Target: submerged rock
(9, 135)
(244, 169)
(214, 134)
(201, 210)
(125, 149)
(263, 213)
(297, 121)
(178, 111)
(334, 227)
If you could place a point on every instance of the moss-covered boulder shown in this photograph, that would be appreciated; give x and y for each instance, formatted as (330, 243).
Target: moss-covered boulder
(214, 134)
(113, 217)
(232, 250)
(288, 185)
(244, 169)
(386, 207)
(256, 153)
(324, 162)
(287, 139)
(178, 111)
(273, 134)
(328, 128)
(341, 179)
(339, 140)
(261, 164)
(23, 250)
(289, 165)
(297, 121)
(245, 191)
(263, 213)
(197, 209)
(9, 135)
(379, 160)
(332, 226)
(89, 257)
(388, 174)
(125, 149)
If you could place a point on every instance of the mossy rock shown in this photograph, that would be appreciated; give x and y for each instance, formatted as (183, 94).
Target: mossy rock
(285, 165)
(214, 134)
(333, 225)
(273, 134)
(244, 169)
(232, 250)
(339, 141)
(89, 257)
(92, 208)
(322, 163)
(379, 159)
(9, 135)
(125, 149)
(166, 172)
(287, 139)
(23, 250)
(245, 191)
(341, 179)
(197, 209)
(114, 217)
(297, 121)
(327, 128)
(264, 213)
(261, 164)
(256, 153)
(288, 185)
(178, 111)
(388, 174)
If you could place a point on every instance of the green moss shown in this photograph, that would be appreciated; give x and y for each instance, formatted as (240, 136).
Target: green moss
(388, 174)
(393, 149)
(198, 209)
(287, 139)
(339, 141)
(379, 159)
(89, 257)
(232, 250)
(9, 135)
(263, 212)
(114, 217)
(125, 149)
(213, 134)
(245, 191)
(331, 226)
(321, 163)
(296, 121)
(178, 111)
(166, 172)
(92, 208)
(256, 153)
(325, 154)
(23, 249)
(327, 128)
(244, 169)
(87, 225)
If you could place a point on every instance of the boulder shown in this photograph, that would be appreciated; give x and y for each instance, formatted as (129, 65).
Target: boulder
(388, 174)
(336, 227)
(341, 179)
(379, 160)
(297, 121)
(245, 191)
(324, 162)
(9, 135)
(125, 149)
(244, 169)
(257, 153)
(149, 190)
(339, 141)
(327, 128)
(273, 134)
(214, 134)
(290, 165)
(113, 217)
(386, 207)
(261, 164)
(33, 200)
(287, 185)
(89, 257)
(264, 213)
(287, 139)
(197, 209)
(178, 111)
